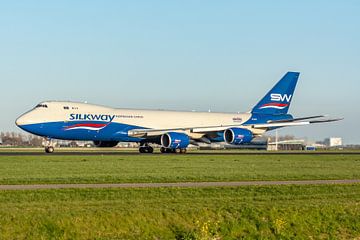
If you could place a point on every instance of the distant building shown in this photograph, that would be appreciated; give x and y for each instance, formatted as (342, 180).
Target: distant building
(287, 145)
(256, 144)
(333, 142)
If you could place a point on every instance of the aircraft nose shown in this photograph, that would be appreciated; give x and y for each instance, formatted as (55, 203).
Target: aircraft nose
(27, 122)
(22, 120)
(19, 121)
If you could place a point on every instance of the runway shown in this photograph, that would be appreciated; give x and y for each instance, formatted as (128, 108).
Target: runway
(177, 185)
(124, 153)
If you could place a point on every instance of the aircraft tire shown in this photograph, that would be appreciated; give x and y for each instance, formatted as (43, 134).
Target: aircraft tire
(169, 150)
(183, 150)
(147, 149)
(49, 149)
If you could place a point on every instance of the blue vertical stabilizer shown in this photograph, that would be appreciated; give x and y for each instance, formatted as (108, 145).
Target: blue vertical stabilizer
(277, 101)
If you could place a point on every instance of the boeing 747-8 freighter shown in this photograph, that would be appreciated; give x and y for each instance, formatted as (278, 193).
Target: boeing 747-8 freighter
(173, 130)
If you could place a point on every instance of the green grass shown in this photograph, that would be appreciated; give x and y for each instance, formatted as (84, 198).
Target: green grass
(251, 212)
(272, 212)
(174, 168)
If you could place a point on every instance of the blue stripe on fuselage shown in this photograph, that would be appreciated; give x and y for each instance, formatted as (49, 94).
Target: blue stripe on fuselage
(116, 131)
(57, 130)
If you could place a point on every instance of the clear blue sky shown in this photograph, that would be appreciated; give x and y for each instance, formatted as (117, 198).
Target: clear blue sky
(222, 55)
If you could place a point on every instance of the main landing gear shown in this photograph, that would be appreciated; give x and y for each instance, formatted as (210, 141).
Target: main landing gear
(146, 148)
(170, 150)
(49, 146)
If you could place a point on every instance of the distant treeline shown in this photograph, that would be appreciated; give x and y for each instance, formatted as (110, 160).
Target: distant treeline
(18, 139)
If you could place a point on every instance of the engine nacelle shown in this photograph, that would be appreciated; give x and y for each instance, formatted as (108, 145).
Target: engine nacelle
(175, 140)
(237, 136)
(105, 143)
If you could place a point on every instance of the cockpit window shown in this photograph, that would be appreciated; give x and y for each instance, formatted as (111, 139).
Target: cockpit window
(66, 107)
(41, 106)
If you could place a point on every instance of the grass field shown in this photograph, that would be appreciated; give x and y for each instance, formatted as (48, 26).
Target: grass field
(251, 212)
(277, 212)
(174, 168)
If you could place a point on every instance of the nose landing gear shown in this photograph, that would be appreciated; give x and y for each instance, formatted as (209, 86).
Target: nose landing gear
(49, 149)
(49, 146)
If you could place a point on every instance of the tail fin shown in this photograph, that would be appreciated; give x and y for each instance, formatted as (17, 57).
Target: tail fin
(277, 100)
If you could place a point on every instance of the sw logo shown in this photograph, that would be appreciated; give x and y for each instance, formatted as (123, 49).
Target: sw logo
(277, 97)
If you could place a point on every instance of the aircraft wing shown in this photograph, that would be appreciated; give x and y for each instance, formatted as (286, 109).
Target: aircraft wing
(154, 131)
(206, 129)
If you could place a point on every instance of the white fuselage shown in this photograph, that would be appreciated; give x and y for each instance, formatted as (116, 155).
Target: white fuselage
(48, 113)
(56, 112)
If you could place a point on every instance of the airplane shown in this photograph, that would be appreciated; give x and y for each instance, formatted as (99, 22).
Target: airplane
(174, 131)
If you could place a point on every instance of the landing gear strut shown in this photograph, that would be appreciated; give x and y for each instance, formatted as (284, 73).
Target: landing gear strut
(49, 146)
(146, 148)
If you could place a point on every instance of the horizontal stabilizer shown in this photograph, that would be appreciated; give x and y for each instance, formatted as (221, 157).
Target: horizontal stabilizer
(296, 119)
(292, 123)
(327, 120)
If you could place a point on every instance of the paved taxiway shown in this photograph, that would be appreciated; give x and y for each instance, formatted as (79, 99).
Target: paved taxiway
(176, 185)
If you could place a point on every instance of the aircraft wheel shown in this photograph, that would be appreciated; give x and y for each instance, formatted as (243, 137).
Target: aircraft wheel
(141, 149)
(183, 150)
(163, 150)
(147, 149)
(49, 149)
(169, 150)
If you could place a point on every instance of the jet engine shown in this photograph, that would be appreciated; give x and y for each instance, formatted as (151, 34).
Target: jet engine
(105, 143)
(174, 140)
(237, 136)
